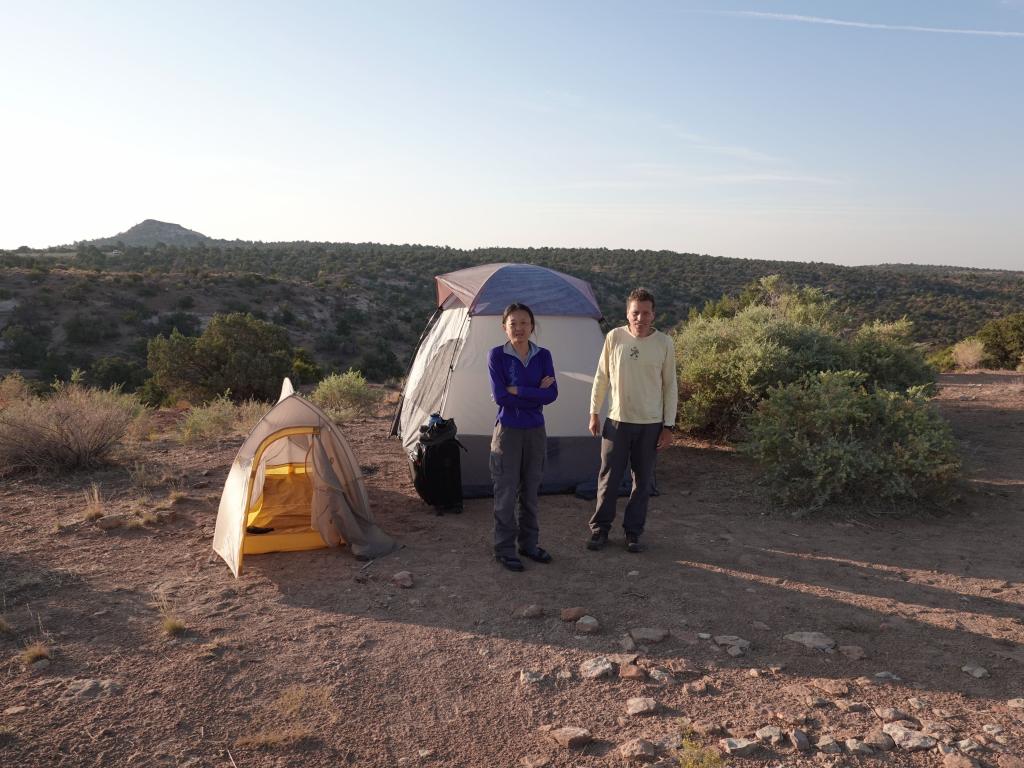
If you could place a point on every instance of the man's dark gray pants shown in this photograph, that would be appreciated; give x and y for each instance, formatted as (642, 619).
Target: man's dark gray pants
(517, 468)
(623, 443)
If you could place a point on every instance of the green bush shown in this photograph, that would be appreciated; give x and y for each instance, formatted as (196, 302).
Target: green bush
(890, 359)
(345, 395)
(236, 353)
(1004, 342)
(828, 437)
(942, 360)
(74, 428)
(220, 417)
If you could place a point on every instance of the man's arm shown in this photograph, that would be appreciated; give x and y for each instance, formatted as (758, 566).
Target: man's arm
(600, 387)
(669, 395)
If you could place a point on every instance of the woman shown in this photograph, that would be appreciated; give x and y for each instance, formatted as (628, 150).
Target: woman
(522, 383)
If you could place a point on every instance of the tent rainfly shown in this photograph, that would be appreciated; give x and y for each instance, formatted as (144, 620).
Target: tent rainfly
(448, 374)
(295, 485)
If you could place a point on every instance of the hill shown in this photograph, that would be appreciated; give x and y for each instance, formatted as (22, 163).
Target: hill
(151, 233)
(365, 304)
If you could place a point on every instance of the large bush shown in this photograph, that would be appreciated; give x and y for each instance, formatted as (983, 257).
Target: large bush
(829, 437)
(730, 355)
(74, 428)
(236, 353)
(1004, 342)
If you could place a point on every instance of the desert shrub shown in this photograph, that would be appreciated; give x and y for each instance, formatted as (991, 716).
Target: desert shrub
(14, 388)
(890, 359)
(345, 395)
(304, 367)
(969, 354)
(829, 437)
(74, 428)
(727, 364)
(1004, 341)
(112, 370)
(214, 419)
(942, 360)
(236, 353)
(248, 413)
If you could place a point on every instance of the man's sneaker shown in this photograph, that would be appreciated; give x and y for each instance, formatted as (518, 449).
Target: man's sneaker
(597, 540)
(633, 543)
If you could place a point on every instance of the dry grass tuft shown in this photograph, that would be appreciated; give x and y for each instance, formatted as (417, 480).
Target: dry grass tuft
(276, 737)
(968, 354)
(177, 497)
(5, 627)
(143, 476)
(93, 503)
(170, 623)
(291, 712)
(34, 652)
(692, 755)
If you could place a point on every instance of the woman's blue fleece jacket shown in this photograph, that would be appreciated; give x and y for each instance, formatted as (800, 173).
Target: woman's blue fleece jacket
(524, 410)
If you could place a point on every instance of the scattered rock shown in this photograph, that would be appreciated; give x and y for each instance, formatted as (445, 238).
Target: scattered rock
(82, 689)
(704, 635)
(991, 729)
(880, 740)
(833, 687)
(739, 747)
(40, 665)
(816, 641)
(632, 672)
(971, 669)
(732, 641)
(954, 760)
(529, 677)
(661, 676)
(588, 625)
(535, 761)
(908, 739)
(627, 644)
(858, 747)
(937, 729)
(402, 579)
(916, 704)
(853, 652)
(532, 611)
(633, 574)
(968, 746)
(1015, 703)
(648, 634)
(845, 705)
(641, 705)
(696, 688)
(760, 625)
(771, 734)
(1009, 761)
(15, 710)
(622, 658)
(890, 714)
(828, 744)
(596, 668)
(109, 522)
(799, 740)
(638, 751)
(570, 737)
(708, 729)
(573, 614)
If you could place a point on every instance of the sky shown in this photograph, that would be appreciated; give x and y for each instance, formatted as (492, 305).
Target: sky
(852, 132)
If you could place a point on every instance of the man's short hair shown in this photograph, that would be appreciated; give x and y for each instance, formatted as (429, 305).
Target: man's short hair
(640, 294)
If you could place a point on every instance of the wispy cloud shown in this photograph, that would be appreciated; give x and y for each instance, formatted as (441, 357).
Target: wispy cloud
(867, 25)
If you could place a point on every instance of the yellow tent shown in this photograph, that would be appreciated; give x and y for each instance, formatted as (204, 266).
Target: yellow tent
(295, 485)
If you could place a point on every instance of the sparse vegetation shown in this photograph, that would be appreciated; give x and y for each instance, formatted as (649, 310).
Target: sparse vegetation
(345, 395)
(34, 652)
(170, 623)
(1004, 341)
(691, 754)
(290, 714)
(74, 428)
(968, 354)
(204, 422)
(5, 627)
(93, 508)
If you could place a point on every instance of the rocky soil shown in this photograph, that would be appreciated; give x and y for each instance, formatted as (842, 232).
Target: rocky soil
(742, 632)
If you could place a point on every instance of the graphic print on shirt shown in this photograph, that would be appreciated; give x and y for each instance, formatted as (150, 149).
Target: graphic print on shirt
(634, 352)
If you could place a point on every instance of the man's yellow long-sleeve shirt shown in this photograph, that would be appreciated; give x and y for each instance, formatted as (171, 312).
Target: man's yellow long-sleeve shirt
(639, 375)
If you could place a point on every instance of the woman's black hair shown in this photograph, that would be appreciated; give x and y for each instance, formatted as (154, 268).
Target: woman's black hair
(515, 306)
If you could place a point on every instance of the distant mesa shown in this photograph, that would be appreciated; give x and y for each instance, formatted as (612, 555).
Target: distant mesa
(150, 232)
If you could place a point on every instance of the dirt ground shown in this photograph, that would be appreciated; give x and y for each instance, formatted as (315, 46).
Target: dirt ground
(315, 659)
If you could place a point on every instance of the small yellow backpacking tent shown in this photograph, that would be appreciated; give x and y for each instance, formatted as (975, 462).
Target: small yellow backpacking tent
(295, 485)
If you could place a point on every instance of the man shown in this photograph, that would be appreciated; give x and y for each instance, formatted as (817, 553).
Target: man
(638, 370)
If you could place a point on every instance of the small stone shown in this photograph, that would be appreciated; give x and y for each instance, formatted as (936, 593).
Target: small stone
(564, 674)
(916, 704)
(627, 644)
(858, 747)
(596, 668)
(532, 611)
(661, 676)
(15, 710)
(588, 625)
(886, 677)
(732, 641)
(799, 740)
(535, 761)
(573, 614)
(833, 687)
(1015, 703)
(109, 522)
(648, 634)
(402, 579)
(890, 714)
(991, 729)
(708, 729)
(816, 641)
(1009, 761)
(739, 747)
(853, 652)
(954, 760)
(529, 677)
(975, 671)
(641, 705)
(704, 635)
(633, 574)
(908, 739)
(967, 746)
(760, 625)
(828, 745)
(770, 734)
(845, 705)
(638, 750)
(570, 737)
(696, 688)
(622, 658)
(879, 739)
(632, 672)
(735, 650)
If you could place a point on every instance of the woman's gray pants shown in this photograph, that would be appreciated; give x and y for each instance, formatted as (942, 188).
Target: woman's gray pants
(517, 467)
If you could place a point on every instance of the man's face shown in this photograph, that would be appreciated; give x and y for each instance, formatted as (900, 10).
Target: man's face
(640, 315)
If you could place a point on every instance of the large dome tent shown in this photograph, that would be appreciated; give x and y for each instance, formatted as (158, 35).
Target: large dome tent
(449, 376)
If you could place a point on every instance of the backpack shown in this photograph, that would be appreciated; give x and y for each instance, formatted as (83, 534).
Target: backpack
(437, 465)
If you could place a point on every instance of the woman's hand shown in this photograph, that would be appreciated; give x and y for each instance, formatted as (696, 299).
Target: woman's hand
(547, 381)
(512, 390)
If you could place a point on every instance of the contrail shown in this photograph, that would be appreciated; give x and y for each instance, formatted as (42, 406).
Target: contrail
(867, 25)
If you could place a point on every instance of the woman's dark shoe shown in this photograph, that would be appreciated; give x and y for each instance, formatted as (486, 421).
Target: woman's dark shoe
(538, 555)
(633, 543)
(597, 540)
(511, 562)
